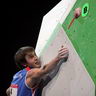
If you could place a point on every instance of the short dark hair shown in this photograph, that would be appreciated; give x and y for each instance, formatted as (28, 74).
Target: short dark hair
(20, 55)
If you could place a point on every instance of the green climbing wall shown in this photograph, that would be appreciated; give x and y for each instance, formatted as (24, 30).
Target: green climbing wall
(82, 34)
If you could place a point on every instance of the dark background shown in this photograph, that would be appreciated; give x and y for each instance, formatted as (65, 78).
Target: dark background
(20, 26)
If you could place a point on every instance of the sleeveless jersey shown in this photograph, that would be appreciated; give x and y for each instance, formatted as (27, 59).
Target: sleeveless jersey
(19, 86)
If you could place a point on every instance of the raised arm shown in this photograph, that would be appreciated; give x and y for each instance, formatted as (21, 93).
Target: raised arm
(37, 73)
(48, 77)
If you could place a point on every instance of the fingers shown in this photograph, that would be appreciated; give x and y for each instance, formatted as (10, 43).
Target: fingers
(63, 49)
(63, 52)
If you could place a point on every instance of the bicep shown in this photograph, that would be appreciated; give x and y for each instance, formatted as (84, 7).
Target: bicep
(35, 74)
(34, 77)
(38, 73)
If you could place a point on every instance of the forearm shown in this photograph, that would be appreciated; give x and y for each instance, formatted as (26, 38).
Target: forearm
(51, 65)
(48, 77)
(53, 73)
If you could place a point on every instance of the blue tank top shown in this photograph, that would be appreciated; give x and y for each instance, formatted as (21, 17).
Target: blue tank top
(20, 88)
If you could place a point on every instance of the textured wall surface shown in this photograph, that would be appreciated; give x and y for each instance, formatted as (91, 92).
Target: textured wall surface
(76, 77)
